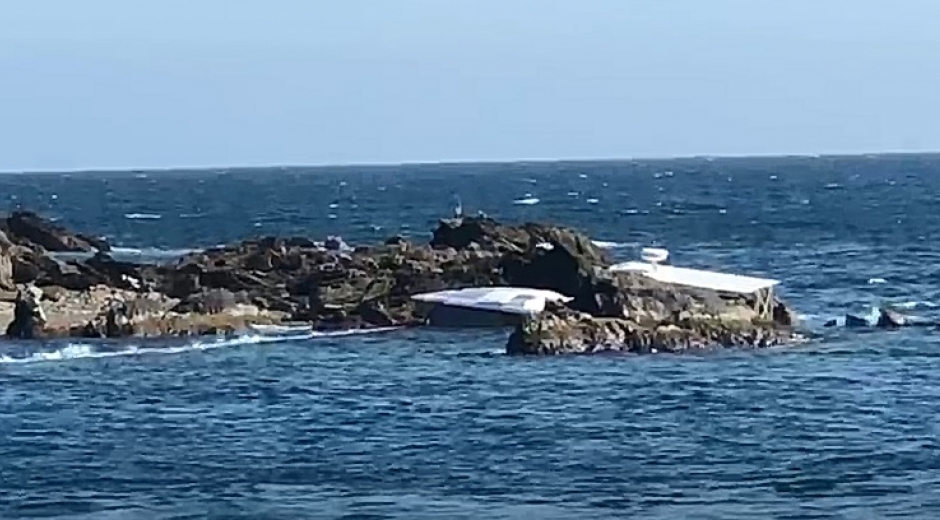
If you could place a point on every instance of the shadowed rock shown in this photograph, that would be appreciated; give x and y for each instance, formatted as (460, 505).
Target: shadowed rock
(269, 279)
(29, 318)
(29, 229)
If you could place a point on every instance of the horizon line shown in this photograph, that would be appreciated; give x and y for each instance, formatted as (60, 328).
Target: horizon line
(461, 162)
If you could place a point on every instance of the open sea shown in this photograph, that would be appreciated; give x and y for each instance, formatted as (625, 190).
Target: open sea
(442, 425)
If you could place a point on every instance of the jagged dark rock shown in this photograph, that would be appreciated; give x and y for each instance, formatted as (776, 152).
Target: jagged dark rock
(889, 319)
(29, 318)
(29, 229)
(332, 285)
(490, 235)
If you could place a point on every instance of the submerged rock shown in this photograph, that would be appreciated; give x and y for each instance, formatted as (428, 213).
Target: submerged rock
(882, 318)
(889, 319)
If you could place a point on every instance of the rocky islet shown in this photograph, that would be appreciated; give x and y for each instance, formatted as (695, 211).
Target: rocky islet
(271, 280)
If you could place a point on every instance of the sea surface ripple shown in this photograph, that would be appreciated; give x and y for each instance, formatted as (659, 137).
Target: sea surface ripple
(440, 424)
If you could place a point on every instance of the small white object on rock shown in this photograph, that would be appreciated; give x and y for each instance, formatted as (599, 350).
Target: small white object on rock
(35, 292)
(133, 282)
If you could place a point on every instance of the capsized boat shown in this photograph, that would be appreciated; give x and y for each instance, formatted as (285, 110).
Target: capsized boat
(485, 306)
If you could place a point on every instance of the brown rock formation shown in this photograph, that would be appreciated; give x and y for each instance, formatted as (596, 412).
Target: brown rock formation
(29, 229)
(564, 331)
(270, 279)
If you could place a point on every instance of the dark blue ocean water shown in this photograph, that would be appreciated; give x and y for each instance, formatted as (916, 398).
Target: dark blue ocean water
(432, 424)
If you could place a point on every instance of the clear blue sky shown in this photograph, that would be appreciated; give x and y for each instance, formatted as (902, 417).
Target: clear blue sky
(161, 83)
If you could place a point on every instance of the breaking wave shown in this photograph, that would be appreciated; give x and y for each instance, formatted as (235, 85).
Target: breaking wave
(82, 350)
(918, 304)
(152, 252)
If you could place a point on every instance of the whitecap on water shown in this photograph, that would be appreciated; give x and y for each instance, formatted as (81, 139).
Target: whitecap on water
(527, 200)
(143, 216)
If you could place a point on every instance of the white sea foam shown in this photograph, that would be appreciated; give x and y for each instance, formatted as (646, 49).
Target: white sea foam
(916, 305)
(281, 329)
(143, 216)
(152, 252)
(82, 350)
(607, 244)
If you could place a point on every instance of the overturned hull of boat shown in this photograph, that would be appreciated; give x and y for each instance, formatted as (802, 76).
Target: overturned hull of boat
(484, 306)
(451, 316)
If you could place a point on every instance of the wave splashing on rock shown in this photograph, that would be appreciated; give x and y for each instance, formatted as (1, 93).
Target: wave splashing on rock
(331, 286)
